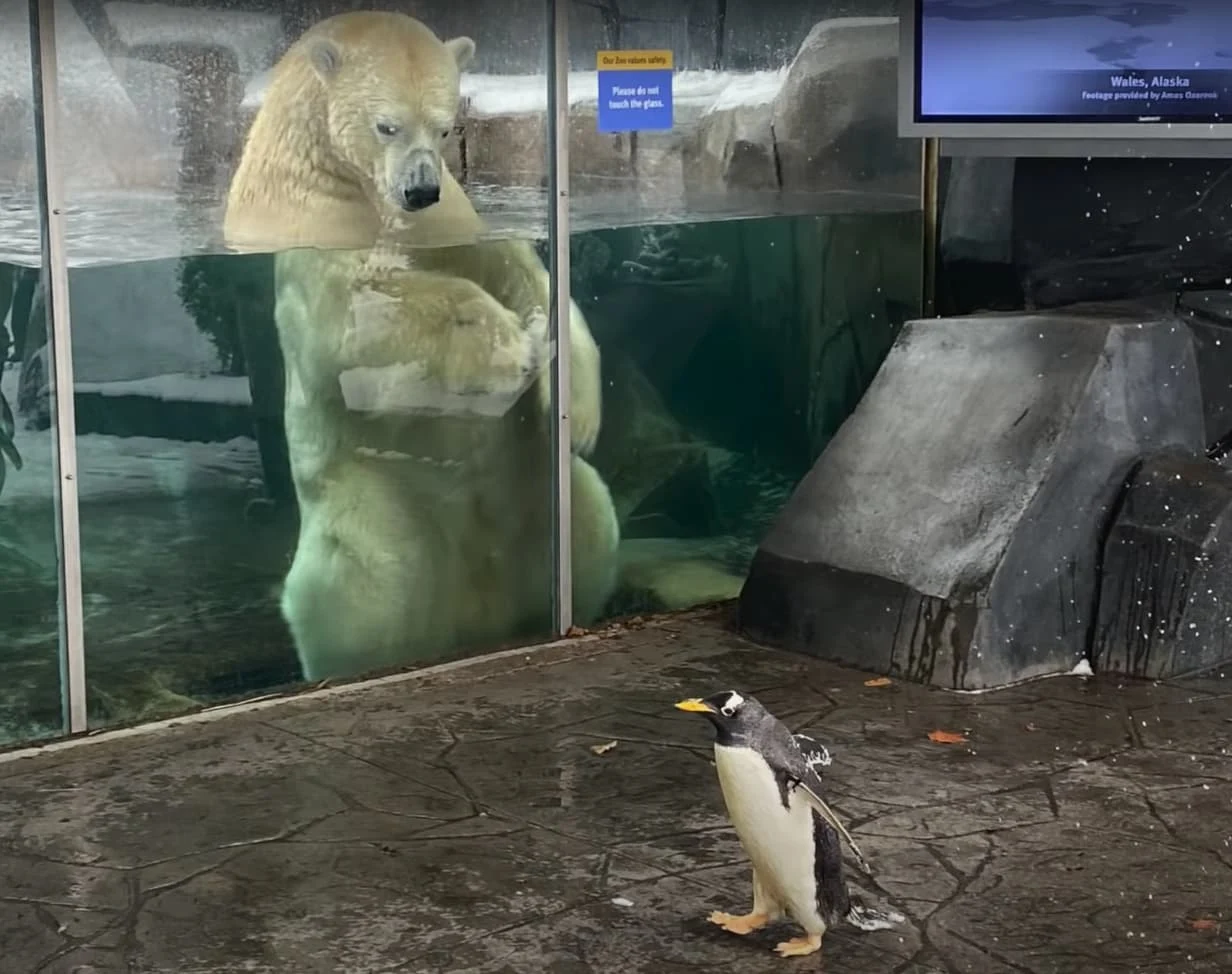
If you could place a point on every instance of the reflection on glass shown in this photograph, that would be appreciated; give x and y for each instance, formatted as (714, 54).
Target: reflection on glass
(773, 256)
(30, 699)
(314, 435)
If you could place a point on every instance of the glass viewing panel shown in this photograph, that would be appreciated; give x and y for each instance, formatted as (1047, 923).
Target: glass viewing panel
(30, 692)
(299, 458)
(744, 272)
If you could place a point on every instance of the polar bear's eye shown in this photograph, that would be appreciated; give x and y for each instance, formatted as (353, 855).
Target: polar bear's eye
(386, 129)
(445, 134)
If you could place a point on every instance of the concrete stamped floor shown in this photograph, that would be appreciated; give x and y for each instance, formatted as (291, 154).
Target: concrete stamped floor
(461, 821)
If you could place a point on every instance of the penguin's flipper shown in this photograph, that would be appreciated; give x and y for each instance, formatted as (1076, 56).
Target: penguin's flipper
(809, 789)
(798, 757)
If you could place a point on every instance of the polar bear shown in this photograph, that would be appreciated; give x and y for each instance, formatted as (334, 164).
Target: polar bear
(417, 389)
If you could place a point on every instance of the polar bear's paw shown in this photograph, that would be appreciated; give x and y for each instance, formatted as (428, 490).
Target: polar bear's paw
(585, 412)
(585, 394)
(498, 358)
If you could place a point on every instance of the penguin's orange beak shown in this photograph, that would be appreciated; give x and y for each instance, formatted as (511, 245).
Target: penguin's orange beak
(695, 706)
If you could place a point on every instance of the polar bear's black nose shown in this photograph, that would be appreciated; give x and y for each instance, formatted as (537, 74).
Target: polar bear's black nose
(420, 195)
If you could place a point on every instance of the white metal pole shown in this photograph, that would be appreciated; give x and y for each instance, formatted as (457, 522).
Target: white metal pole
(55, 293)
(558, 240)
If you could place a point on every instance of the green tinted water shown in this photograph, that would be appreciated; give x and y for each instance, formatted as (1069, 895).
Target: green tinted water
(732, 351)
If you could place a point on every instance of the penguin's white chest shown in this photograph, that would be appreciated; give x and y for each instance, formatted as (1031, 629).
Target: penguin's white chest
(778, 840)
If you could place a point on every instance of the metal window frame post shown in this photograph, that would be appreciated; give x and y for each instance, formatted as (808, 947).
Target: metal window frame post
(560, 314)
(930, 170)
(54, 276)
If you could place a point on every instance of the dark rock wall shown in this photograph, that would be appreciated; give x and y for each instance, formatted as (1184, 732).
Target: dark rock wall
(1045, 233)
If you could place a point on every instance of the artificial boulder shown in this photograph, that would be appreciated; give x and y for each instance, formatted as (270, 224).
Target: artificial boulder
(835, 118)
(105, 141)
(949, 533)
(1165, 601)
(732, 148)
(507, 149)
(1209, 316)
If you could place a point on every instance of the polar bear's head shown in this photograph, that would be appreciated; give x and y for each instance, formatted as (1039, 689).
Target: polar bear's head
(392, 93)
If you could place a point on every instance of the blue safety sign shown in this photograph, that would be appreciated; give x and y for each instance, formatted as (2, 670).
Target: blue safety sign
(635, 91)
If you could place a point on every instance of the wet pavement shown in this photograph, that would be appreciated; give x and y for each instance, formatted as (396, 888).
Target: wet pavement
(480, 820)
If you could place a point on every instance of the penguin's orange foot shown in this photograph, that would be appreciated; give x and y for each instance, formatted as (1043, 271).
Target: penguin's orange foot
(740, 925)
(800, 946)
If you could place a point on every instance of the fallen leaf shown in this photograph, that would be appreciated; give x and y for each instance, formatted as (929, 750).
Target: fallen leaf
(574, 631)
(880, 681)
(946, 737)
(602, 749)
(1203, 923)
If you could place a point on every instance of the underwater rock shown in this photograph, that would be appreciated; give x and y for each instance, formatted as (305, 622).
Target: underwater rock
(950, 533)
(1165, 596)
(644, 451)
(671, 574)
(820, 317)
(836, 116)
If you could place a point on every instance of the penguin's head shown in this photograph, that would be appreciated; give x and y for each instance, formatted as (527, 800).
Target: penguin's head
(732, 713)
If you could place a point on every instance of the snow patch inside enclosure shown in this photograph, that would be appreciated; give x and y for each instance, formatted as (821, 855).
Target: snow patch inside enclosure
(126, 467)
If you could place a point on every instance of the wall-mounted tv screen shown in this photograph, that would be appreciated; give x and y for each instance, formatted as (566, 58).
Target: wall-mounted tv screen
(1032, 68)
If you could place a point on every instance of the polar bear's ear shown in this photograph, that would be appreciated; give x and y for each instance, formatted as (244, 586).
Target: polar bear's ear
(325, 57)
(462, 49)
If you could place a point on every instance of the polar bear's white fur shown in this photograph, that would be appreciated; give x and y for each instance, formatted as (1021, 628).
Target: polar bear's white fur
(417, 405)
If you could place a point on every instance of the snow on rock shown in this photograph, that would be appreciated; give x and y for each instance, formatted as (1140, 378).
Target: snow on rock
(223, 390)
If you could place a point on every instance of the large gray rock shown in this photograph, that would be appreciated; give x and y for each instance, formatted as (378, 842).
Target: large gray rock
(1165, 605)
(732, 148)
(950, 532)
(1209, 316)
(835, 118)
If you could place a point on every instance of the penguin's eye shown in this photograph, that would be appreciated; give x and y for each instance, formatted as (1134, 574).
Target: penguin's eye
(727, 710)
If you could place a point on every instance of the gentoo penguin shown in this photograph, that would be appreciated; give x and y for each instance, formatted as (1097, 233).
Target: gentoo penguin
(771, 785)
